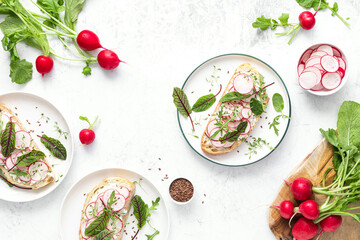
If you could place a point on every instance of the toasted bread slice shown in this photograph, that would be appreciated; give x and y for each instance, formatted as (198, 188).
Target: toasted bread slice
(97, 197)
(46, 178)
(206, 144)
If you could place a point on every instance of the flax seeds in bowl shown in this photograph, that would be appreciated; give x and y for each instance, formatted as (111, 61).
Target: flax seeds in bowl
(181, 190)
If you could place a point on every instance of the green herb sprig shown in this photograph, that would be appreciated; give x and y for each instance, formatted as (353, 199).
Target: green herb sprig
(278, 104)
(255, 144)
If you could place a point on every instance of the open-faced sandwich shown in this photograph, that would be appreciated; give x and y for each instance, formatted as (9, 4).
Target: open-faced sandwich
(21, 162)
(106, 209)
(237, 113)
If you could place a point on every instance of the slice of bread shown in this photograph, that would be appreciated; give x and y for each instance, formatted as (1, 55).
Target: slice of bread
(206, 145)
(13, 179)
(108, 184)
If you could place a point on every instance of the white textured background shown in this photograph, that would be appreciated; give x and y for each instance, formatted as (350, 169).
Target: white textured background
(163, 41)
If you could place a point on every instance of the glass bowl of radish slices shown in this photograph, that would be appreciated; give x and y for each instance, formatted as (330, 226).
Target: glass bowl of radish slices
(322, 69)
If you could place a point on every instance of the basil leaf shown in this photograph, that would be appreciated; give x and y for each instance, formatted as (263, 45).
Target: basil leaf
(29, 158)
(204, 103)
(98, 225)
(20, 173)
(278, 102)
(140, 209)
(54, 146)
(105, 235)
(233, 96)
(8, 139)
(256, 107)
(72, 11)
(234, 135)
(181, 102)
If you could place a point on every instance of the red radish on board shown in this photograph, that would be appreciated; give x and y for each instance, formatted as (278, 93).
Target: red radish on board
(108, 59)
(243, 84)
(88, 40)
(330, 224)
(87, 135)
(329, 63)
(301, 188)
(309, 209)
(44, 64)
(286, 209)
(304, 229)
(331, 81)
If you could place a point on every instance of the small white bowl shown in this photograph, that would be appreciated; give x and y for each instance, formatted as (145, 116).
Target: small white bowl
(182, 203)
(344, 79)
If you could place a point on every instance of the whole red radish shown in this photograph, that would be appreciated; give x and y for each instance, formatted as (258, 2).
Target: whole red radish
(304, 229)
(309, 209)
(87, 135)
(307, 20)
(301, 188)
(286, 209)
(330, 224)
(44, 64)
(108, 59)
(88, 40)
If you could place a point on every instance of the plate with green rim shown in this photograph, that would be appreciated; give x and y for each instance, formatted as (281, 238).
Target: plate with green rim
(208, 77)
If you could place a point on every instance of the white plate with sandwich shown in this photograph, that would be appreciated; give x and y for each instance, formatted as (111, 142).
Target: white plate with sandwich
(108, 196)
(36, 147)
(244, 125)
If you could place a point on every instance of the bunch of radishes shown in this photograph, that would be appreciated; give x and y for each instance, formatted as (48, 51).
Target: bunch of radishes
(321, 68)
(306, 227)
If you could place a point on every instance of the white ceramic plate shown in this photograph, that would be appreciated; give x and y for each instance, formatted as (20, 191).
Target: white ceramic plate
(74, 201)
(30, 108)
(196, 86)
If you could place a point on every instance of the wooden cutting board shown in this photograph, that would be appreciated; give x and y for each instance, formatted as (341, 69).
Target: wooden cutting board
(313, 168)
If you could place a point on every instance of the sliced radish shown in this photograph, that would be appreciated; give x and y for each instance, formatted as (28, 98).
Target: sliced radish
(248, 127)
(318, 66)
(327, 49)
(301, 68)
(120, 202)
(26, 178)
(306, 56)
(331, 81)
(107, 195)
(210, 127)
(89, 210)
(38, 171)
(312, 61)
(9, 163)
(243, 84)
(317, 87)
(337, 52)
(318, 54)
(22, 139)
(215, 141)
(246, 112)
(231, 89)
(341, 72)
(124, 191)
(316, 71)
(14, 155)
(342, 63)
(307, 80)
(99, 204)
(330, 63)
(115, 226)
(233, 124)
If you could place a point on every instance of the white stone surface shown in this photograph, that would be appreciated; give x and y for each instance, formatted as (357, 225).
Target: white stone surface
(163, 41)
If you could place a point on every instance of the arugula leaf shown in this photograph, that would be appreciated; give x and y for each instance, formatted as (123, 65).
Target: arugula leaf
(72, 11)
(151, 237)
(8, 139)
(29, 158)
(54, 146)
(278, 102)
(234, 135)
(105, 235)
(233, 96)
(98, 225)
(204, 103)
(256, 107)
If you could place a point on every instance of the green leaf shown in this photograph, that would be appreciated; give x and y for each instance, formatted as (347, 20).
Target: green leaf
(72, 11)
(348, 124)
(234, 135)
(98, 225)
(256, 107)
(330, 136)
(105, 235)
(284, 19)
(12, 25)
(20, 173)
(21, 71)
(53, 7)
(140, 210)
(154, 204)
(204, 103)
(233, 96)
(8, 139)
(278, 102)
(87, 70)
(181, 102)
(262, 23)
(274, 125)
(313, 4)
(29, 158)
(335, 9)
(151, 237)
(54, 146)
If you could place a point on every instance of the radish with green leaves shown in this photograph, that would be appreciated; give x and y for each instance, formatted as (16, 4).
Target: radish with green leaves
(87, 135)
(286, 209)
(304, 229)
(330, 224)
(44, 64)
(301, 188)
(88, 40)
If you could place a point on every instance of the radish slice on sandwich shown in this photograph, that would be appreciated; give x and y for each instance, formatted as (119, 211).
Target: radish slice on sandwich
(243, 84)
